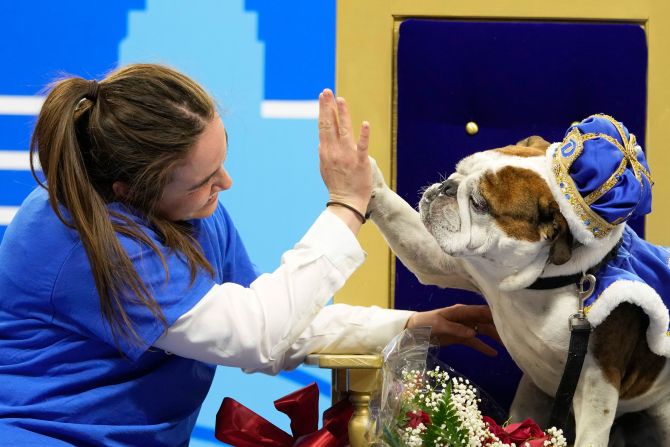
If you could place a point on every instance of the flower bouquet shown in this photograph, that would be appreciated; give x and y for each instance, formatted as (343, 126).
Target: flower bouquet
(419, 407)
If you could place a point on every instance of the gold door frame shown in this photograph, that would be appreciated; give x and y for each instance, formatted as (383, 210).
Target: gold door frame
(366, 36)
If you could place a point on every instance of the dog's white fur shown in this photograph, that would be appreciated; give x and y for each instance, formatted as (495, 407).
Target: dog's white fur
(448, 244)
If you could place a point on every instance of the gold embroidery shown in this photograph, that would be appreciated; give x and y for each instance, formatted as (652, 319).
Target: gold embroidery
(570, 149)
(598, 226)
(629, 150)
(609, 184)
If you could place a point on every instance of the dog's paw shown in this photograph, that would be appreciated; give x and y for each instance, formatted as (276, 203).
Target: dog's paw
(377, 176)
(378, 185)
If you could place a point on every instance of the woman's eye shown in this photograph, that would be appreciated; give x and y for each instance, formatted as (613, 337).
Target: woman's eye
(480, 206)
(198, 189)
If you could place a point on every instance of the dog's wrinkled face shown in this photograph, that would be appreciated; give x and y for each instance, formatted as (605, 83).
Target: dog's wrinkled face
(497, 206)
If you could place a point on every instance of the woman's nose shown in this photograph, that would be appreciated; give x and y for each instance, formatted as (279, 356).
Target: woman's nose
(223, 181)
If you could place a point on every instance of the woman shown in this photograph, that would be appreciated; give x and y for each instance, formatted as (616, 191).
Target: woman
(123, 280)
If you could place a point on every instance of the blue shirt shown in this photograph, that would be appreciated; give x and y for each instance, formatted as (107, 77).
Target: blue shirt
(63, 380)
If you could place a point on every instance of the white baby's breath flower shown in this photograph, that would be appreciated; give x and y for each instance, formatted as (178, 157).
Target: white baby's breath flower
(429, 390)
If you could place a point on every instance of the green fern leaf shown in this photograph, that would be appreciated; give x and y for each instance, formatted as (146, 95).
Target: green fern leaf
(446, 428)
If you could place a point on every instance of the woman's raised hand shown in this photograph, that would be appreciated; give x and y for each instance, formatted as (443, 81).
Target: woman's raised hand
(345, 167)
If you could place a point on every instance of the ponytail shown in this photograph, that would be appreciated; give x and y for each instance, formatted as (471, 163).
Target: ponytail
(82, 140)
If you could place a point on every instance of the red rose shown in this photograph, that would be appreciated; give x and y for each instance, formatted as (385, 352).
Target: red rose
(497, 430)
(418, 417)
(523, 431)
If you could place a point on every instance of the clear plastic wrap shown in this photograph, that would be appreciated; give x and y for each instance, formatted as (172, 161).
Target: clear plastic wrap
(407, 351)
(425, 402)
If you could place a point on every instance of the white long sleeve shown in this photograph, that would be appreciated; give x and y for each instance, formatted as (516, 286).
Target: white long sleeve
(273, 323)
(343, 329)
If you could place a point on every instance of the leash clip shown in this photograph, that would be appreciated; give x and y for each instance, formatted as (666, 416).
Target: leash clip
(585, 294)
(585, 288)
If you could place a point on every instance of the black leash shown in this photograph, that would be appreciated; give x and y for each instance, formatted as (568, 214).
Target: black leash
(580, 331)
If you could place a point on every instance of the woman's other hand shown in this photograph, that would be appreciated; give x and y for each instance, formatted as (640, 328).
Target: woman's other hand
(345, 167)
(460, 324)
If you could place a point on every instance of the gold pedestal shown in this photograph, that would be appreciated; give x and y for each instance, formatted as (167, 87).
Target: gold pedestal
(355, 376)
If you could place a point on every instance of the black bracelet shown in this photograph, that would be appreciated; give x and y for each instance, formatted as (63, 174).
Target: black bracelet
(346, 205)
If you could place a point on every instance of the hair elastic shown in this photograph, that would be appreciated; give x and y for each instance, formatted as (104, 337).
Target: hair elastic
(358, 214)
(93, 90)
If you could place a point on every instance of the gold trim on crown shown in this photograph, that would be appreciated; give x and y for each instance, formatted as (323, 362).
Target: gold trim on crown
(573, 145)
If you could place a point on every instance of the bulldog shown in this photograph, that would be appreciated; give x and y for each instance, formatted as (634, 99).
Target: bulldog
(496, 227)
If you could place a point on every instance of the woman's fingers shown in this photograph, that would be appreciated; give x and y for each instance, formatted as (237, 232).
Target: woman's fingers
(344, 167)
(453, 329)
(364, 139)
(479, 345)
(328, 132)
(335, 123)
(465, 336)
(344, 120)
(490, 331)
(460, 324)
(468, 314)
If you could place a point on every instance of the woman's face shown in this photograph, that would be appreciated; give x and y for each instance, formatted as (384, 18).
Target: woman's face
(194, 186)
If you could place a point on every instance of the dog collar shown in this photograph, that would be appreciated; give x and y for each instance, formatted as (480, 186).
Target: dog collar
(554, 282)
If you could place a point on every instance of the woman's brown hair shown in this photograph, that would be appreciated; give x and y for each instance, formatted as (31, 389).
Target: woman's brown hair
(133, 127)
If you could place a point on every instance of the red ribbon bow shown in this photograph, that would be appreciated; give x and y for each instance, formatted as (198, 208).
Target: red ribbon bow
(239, 426)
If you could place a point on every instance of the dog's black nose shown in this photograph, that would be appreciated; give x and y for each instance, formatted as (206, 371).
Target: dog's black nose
(449, 188)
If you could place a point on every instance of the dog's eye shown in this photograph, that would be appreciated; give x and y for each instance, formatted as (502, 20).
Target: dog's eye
(479, 205)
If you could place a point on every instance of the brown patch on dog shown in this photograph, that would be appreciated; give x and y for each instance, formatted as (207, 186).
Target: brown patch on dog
(620, 347)
(520, 151)
(536, 142)
(532, 146)
(522, 204)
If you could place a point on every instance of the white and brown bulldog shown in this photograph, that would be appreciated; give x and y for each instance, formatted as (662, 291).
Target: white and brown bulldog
(494, 227)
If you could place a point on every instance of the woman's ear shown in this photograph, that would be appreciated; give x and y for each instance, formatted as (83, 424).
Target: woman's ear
(121, 190)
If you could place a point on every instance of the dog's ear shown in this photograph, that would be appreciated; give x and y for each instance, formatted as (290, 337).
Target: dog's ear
(535, 142)
(553, 227)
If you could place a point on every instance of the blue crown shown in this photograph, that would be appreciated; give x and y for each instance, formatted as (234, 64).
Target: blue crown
(602, 177)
